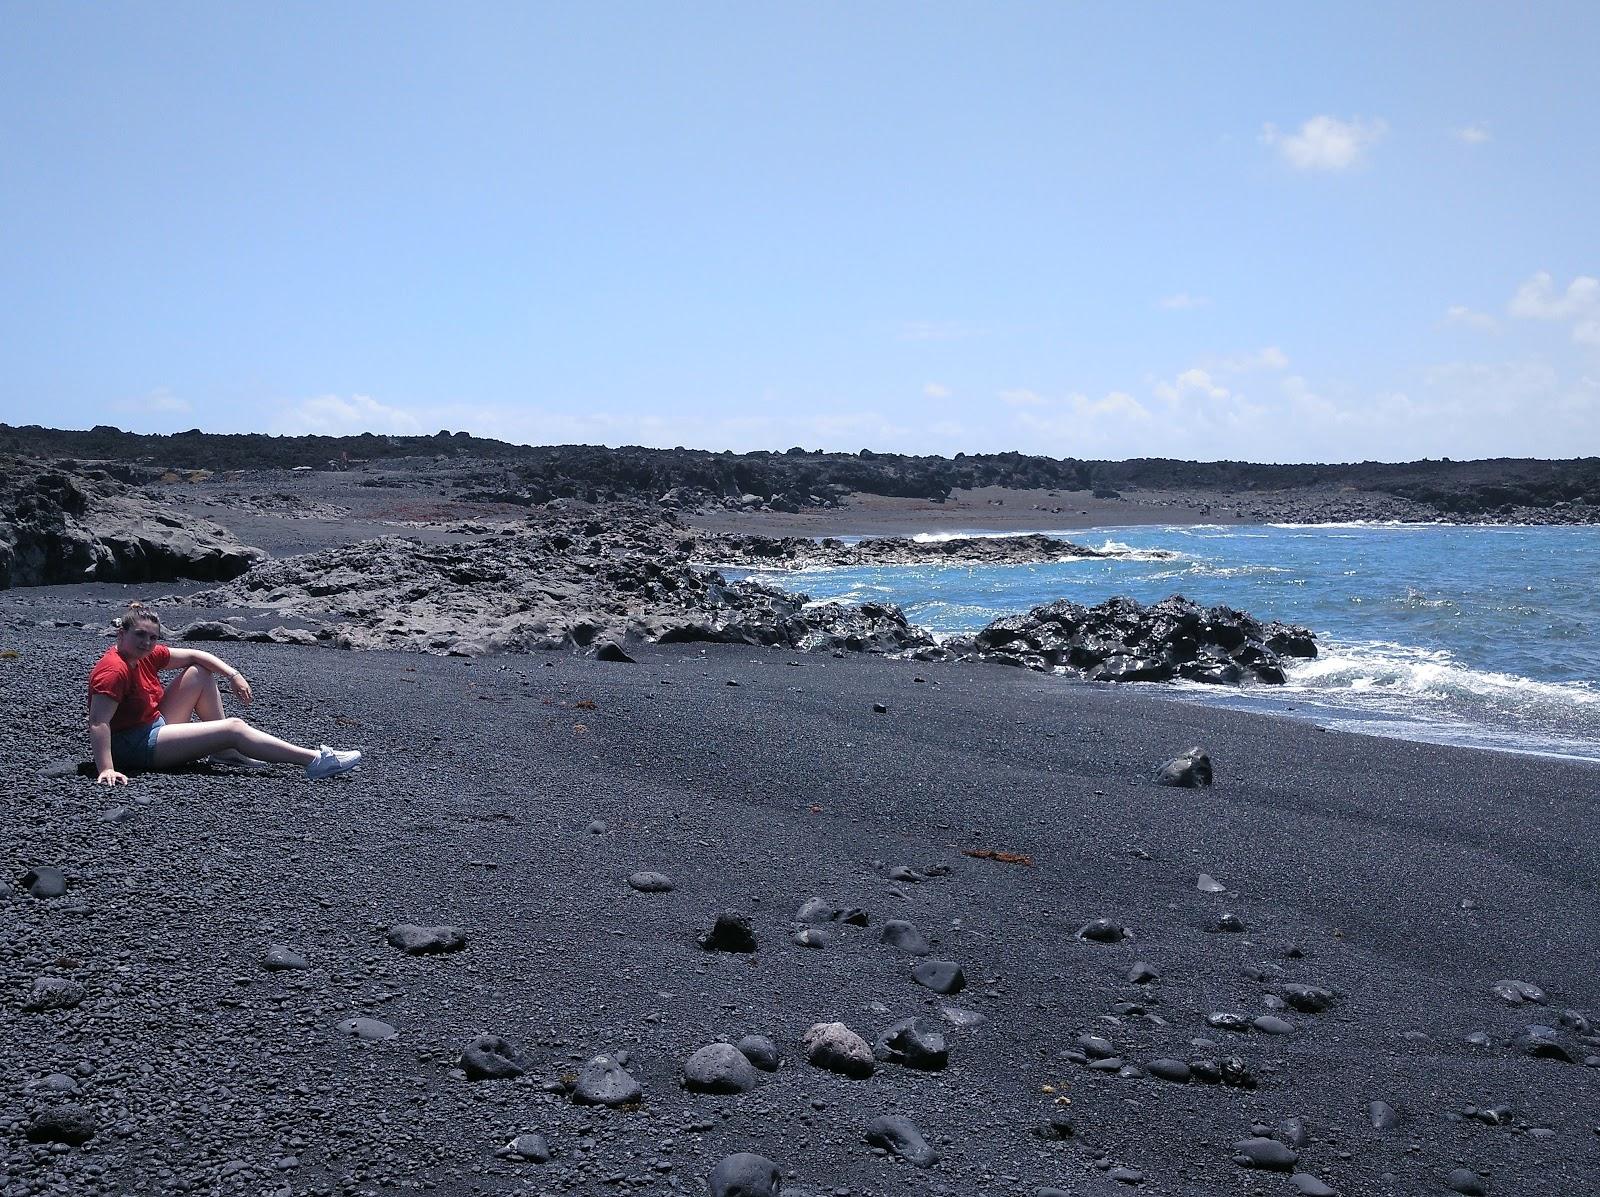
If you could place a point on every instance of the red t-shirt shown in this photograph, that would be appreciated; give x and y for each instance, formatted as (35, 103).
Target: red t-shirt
(137, 688)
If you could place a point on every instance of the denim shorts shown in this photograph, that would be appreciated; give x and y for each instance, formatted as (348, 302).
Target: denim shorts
(133, 749)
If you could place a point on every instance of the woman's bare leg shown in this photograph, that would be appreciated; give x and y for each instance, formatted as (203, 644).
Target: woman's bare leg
(192, 693)
(179, 742)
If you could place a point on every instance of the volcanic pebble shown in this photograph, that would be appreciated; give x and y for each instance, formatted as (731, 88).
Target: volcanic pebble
(760, 1051)
(489, 1057)
(744, 1175)
(914, 1043)
(900, 1136)
(898, 933)
(605, 1082)
(65, 1123)
(835, 1047)
(941, 976)
(1261, 1152)
(369, 1030)
(55, 993)
(416, 940)
(45, 881)
(719, 1068)
(650, 883)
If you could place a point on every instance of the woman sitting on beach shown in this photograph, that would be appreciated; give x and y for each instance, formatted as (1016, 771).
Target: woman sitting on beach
(136, 724)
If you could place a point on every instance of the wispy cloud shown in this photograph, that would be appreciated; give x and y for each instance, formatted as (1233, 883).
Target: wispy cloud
(1191, 383)
(1183, 302)
(160, 401)
(1578, 305)
(1268, 358)
(1325, 143)
(936, 390)
(1461, 315)
(1474, 134)
(337, 415)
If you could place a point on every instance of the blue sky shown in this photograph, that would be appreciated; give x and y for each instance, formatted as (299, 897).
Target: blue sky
(1277, 232)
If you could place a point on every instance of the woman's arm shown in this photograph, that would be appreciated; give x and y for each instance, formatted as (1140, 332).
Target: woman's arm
(101, 708)
(182, 658)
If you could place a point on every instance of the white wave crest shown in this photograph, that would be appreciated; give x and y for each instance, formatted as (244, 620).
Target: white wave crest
(1415, 675)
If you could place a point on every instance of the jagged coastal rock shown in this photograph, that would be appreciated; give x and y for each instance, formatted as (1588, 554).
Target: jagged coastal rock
(562, 581)
(1122, 640)
(60, 525)
(573, 581)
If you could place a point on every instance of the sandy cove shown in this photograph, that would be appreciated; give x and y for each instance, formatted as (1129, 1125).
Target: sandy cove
(1404, 879)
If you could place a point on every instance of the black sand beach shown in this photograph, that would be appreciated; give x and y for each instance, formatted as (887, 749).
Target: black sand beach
(1405, 879)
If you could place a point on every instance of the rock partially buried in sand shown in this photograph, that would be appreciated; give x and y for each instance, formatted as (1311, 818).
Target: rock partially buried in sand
(914, 1043)
(1189, 771)
(719, 1068)
(1265, 1153)
(45, 881)
(426, 941)
(760, 1051)
(610, 650)
(489, 1057)
(278, 958)
(605, 1082)
(55, 993)
(650, 883)
(368, 1030)
(1310, 1186)
(1514, 993)
(731, 932)
(900, 934)
(1466, 1182)
(900, 1136)
(527, 1146)
(745, 1175)
(66, 1123)
(1382, 1115)
(1103, 931)
(835, 1047)
(941, 976)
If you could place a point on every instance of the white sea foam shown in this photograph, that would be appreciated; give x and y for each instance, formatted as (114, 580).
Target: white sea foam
(1423, 676)
(1369, 524)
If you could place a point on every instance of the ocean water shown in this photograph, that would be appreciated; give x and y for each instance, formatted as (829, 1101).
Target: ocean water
(1480, 636)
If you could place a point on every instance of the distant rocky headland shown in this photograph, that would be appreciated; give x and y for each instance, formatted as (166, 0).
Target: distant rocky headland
(1521, 490)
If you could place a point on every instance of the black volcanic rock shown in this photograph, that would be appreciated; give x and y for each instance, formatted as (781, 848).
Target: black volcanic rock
(61, 525)
(559, 581)
(1122, 640)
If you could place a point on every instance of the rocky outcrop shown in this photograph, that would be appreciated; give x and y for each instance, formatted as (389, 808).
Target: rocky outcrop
(797, 552)
(1503, 489)
(62, 525)
(561, 581)
(1122, 640)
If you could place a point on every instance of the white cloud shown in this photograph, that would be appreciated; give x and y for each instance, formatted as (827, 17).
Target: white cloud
(1579, 305)
(159, 402)
(1183, 302)
(1022, 398)
(1325, 143)
(1192, 383)
(335, 415)
(1466, 317)
(935, 390)
(1269, 358)
(1474, 134)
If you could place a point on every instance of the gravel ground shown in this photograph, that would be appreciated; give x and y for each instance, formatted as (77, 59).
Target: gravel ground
(513, 797)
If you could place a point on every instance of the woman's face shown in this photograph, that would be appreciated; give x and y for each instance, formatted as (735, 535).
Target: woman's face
(137, 641)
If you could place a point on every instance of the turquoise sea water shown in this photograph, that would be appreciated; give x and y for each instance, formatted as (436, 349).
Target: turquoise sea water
(1485, 636)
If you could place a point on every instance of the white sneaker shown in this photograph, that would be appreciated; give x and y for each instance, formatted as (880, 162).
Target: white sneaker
(330, 763)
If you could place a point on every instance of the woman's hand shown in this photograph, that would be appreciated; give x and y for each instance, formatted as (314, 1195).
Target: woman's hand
(110, 777)
(241, 688)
